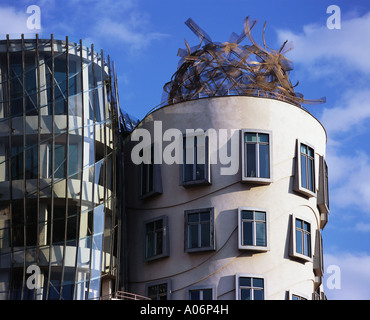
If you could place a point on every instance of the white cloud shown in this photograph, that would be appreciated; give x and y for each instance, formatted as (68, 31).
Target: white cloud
(14, 21)
(351, 112)
(347, 48)
(354, 276)
(349, 185)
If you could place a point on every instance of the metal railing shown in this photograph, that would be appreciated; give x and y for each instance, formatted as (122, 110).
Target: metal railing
(121, 295)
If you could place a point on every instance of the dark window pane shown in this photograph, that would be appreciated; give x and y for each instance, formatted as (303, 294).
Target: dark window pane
(299, 248)
(194, 295)
(247, 233)
(193, 236)
(207, 294)
(159, 247)
(251, 160)
(264, 161)
(245, 282)
(304, 171)
(245, 294)
(258, 295)
(257, 283)
(247, 215)
(260, 234)
(205, 235)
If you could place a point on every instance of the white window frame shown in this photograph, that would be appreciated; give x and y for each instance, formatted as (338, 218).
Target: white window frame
(248, 275)
(212, 245)
(201, 288)
(165, 239)
(240, 230)
(293, 247)
(257, 179)
(298, 171)
(207, 168)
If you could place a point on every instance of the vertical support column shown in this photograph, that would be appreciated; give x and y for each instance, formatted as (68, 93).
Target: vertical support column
(82, 169)
(52, 166)
(10, 169)
(93, 167)
(24, 168)
(67, 170)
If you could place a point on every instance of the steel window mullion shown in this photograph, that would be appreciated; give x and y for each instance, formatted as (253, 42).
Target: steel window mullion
(38, 151)
(24, 167)
(82, 171)
(52, 166)
(10, 168)
(93, 182)
(67, 170)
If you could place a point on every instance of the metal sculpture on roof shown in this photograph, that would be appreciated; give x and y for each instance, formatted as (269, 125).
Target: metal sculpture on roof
(229, 68)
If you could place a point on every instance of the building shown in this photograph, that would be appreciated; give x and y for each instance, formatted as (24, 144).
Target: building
(60, 220)
(231, 195)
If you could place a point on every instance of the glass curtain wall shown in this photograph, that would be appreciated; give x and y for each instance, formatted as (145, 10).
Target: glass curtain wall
(59, 128)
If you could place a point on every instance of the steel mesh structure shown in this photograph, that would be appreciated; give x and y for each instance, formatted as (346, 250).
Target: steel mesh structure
(59, 132)
(219, 69)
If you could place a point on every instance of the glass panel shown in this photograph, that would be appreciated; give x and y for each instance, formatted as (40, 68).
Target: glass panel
(194, 295)
(263, 138)
(245, 294)
(207, 294)
(200, 172)
(247, 233)
(250, 137)
(303, 149)
(307, 244)
(299, 248)
(251, 160)
(299, 223)
(310, 175)
(158, 224)
(257, 282)
(304, 171)
(310, 152)
(99, 219)
(193, 236)
(193, 217)
(245, 282)
(258, 294)
(205, 235)
(159, 246)
(150, 244)
(260, 216)
(204, 216)
(247, 215)
(264, 161)
(260, 234)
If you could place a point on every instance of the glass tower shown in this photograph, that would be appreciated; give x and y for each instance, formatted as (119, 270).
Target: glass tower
(59, 134)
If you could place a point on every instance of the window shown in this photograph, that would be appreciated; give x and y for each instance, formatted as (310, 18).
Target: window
(159, 290)
(256, 157)
(156, 238)
(199, 230)
(323, 192)
(305, 170)
(297, 297)
(301, 234)
(250, 288)
(318, 261)
(195, 168)
(252, 229)
(150, 176)
(204, 293)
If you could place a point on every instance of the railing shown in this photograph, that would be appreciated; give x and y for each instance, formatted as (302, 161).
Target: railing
(121, 295)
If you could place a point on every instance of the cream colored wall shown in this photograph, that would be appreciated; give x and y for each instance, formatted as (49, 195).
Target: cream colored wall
(218, 268)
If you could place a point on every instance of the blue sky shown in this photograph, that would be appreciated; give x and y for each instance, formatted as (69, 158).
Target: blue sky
(142, 37)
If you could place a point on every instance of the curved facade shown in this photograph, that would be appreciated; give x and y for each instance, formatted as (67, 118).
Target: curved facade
(59, 223)
(244, 227)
